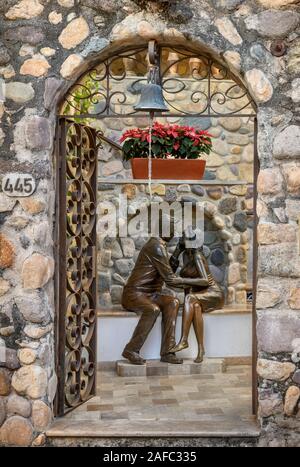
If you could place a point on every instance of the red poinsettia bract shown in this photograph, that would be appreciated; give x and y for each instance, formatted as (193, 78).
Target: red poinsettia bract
(168, 141)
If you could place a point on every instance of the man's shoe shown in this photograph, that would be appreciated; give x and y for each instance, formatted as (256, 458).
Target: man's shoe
(171, 358)
(133, 357)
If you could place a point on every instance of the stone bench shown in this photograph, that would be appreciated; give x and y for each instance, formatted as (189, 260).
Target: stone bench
(119, 311)
(228, 334)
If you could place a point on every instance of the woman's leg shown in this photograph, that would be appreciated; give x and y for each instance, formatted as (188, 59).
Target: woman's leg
(198, 324)
(187, 319)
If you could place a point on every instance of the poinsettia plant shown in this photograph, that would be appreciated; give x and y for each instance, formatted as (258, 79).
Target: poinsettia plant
(167, 142)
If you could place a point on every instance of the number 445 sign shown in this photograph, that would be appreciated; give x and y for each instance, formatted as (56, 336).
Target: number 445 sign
(16, 184)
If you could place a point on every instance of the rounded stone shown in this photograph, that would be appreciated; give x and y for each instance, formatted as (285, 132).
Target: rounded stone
(270, 406)
(128, 247)
(198, 190)
(116, 292)
(130, 190)
(32, 205)
(296, 344)
(273, 370)
(185, 188)
(228, 30)
(171, 194)
(220, 147)
(27, 356)
(276, 3)
(269, 233)
(209, 237)
(54, 17)
(6, 252)
(296, 377)
(239, 190)
(36, 66)
(272, 23)
(4, 286)
(5, 382)
(48, 51)
(259, 85)
(214, 193)
(11, 359)
(25, 9)
(292, 177)
(37, 270)
(224, 173)
(231, 124)
(40, 440)
(199, 123)
(71, 66)
(217, 273)
(206, 251)
(4, 55)
(41, 415)
(111, 168)
(17, 405)
(214, 160)
(218, 222)
(233, 58)
(2, 410)
(74, 33)
(32, 307)
(217, 257)
(240, 221)
(287, 143)
(27, 34)
(66, 3)
(37, 332)
(16, 431)
(291, 400)
(241, 254)
(19, 92)
(269, 181)
(30, 380)
(124, 266)
(228, 205)
(208, 175)
(234, 273)
(37, 137)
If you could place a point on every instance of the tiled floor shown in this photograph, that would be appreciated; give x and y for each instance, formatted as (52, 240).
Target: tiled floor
(160, 398)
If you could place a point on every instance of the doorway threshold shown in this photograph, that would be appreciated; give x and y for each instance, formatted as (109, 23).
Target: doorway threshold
(215, 427)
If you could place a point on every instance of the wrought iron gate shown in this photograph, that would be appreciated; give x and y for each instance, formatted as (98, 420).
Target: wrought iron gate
(77, 146)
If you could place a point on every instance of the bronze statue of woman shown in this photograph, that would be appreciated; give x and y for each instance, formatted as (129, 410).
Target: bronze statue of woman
(198, 299)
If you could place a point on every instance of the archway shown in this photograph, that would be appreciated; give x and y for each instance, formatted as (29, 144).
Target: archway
(197, 88)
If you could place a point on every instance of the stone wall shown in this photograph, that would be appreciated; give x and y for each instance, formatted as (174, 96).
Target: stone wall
(45, 47)
(226, 225)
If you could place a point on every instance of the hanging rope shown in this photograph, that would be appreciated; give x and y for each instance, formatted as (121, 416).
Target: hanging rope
(151, 117)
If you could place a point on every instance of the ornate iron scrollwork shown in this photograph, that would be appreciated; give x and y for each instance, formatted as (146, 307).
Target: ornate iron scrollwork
(77, 256)
(205, 85)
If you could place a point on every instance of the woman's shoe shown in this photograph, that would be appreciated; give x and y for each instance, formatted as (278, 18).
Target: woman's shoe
(199, 358)
(180, 346)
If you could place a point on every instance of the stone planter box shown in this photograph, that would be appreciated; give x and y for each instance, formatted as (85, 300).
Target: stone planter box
(169, 169)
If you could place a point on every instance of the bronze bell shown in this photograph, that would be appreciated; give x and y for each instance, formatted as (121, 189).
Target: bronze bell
(151, 99)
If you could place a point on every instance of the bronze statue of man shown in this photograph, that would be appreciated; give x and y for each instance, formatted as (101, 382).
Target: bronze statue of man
(143, 293)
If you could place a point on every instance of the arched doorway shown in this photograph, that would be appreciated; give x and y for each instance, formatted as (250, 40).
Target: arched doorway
(198, 90)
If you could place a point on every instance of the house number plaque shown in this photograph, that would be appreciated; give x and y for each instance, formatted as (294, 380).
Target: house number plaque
(20, 185)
